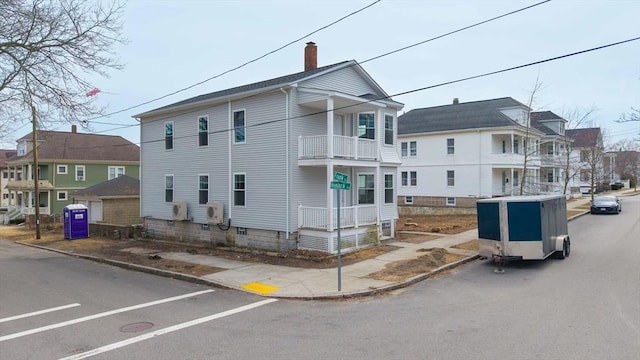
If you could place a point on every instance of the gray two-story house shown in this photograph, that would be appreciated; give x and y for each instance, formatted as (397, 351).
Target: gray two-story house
(253, 165)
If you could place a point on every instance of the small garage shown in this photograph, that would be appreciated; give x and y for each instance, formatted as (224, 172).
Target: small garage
(116, 201)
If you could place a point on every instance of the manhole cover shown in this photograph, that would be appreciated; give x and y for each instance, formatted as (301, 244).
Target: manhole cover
(136, 327)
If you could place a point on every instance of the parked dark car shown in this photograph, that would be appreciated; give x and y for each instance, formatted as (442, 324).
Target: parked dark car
(606, 204)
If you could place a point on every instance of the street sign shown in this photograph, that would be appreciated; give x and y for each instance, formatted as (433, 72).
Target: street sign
(340, 177)
(337, 185)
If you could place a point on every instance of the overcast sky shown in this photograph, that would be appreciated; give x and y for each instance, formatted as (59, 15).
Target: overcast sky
(175, 44)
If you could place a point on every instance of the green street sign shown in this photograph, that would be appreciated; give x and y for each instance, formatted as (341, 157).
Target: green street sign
(340, 177)
(337, 185)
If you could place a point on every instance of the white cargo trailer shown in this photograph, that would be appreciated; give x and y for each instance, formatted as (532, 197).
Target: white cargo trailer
(523, 227)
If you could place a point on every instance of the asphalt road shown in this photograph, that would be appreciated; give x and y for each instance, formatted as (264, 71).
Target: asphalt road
(584, 307)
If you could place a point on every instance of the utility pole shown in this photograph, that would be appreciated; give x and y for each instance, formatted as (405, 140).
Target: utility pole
(36, 173)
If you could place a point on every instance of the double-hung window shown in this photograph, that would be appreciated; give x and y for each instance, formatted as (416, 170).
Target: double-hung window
(451, 178)
(366, 126)
(115, 171)
(203, 131)
(408, 149)
(388, 188)
(388, 130)
(80, 176)
(168, 135)
(366, 189)
(239, 190)
(451, 146)
(203, 188)
(239, 127)
(168, 188)
(409, 178)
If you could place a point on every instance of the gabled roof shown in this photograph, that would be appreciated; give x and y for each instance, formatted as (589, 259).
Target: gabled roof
(275, 83)
(5, 155)
(539, 118)
(58, 145)
(583, 138)
(121, 186)
(469, 115)
(545, 115)
(279, 81)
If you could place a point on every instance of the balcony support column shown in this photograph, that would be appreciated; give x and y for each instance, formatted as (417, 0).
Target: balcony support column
(330, 129)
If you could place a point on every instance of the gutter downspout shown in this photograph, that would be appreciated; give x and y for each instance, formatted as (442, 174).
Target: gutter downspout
(286, 171)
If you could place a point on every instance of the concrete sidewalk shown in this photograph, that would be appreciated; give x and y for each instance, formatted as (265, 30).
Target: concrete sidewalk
(297, 283)
(288, 282)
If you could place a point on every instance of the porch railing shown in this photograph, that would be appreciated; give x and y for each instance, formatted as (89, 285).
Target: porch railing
(350, 216)
(349, 147)
(32, 210)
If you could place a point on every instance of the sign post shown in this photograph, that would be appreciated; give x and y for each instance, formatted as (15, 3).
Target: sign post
(341, 182)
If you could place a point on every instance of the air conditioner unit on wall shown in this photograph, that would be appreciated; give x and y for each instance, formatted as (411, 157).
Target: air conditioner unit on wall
(215, 212)
(179, 210)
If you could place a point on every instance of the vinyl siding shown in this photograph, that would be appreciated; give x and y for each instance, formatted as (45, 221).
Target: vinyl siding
(262, 159)
(345, 80)
(185, 161)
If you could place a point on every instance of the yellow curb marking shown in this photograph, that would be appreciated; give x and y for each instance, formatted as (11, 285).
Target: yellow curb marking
(260, 288)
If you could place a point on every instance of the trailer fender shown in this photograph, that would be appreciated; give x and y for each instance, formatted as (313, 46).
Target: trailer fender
(563, 247)
(560, 242)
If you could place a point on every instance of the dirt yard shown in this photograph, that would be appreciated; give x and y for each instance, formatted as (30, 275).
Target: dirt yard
(145, 252)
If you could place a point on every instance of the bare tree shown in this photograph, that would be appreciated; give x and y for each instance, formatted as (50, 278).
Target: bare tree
(48, 48)
(627, 160)
(633, 115)
(528, 146)
(575, 118)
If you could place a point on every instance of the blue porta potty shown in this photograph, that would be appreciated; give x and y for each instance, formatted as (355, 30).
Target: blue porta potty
(76, 221)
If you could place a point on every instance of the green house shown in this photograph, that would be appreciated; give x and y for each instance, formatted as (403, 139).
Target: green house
(67, 162)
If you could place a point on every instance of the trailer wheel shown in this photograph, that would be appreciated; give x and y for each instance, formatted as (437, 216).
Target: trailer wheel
(566, 250)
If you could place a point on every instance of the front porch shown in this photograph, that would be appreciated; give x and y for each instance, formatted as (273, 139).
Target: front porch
(318, 218)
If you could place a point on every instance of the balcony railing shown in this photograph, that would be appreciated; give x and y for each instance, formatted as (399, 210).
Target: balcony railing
(351, 216)
(348, 147)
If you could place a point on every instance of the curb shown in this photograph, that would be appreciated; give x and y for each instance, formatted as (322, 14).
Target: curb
(129, 266)
(198, 280)
(383, 289)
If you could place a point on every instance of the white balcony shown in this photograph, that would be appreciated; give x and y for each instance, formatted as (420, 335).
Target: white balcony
(350, 217)
(344, 147)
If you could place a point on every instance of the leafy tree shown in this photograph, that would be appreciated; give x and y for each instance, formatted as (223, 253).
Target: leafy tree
(48, 50)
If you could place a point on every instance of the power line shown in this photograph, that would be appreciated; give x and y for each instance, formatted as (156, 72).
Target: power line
(454, 31)
(413, 90)
(390, 52)
(239, 66)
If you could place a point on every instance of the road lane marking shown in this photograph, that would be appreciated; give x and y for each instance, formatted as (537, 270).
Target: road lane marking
(40, 312)
(100, 315)
(166, 330)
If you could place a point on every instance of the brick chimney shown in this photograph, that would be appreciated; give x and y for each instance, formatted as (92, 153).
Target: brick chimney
(310, 56)
(74, 129)
(456, 101)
